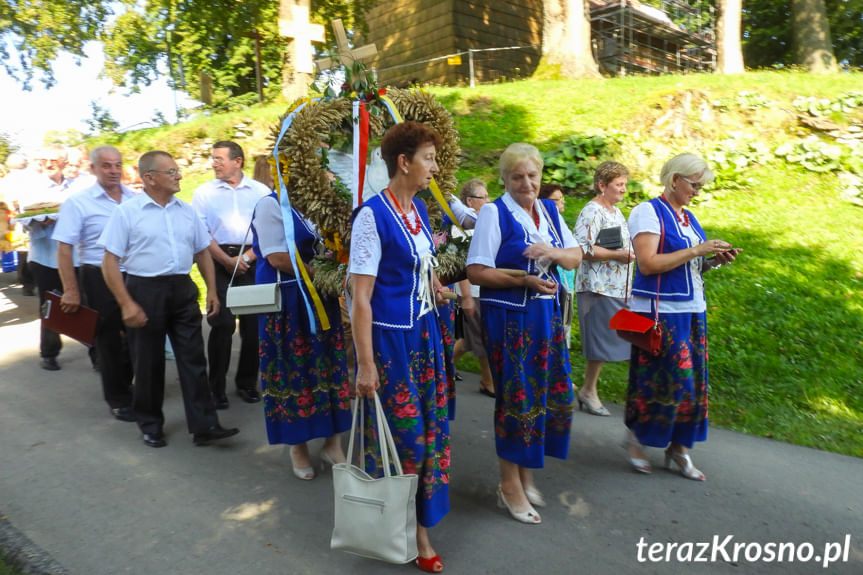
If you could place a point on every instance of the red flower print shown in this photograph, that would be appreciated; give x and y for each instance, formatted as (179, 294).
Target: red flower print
(685, 363)
(444, 463)
(543, 352)
(519, 395)
(402, 397)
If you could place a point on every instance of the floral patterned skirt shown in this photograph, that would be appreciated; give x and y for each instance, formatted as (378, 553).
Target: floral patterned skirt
(304, 377)
(413, 391)
(446, 317)
(666, 400)
(529, 361)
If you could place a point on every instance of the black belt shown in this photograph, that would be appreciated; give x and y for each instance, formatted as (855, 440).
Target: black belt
(232, 250)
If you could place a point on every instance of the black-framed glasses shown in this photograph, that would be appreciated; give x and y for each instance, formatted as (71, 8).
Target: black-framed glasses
(695, 185)
(171, 172)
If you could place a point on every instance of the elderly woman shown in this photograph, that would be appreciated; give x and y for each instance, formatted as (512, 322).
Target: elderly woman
(304, 376)
(517, 244)
(603, 279)
(396, 331)
(666, 401)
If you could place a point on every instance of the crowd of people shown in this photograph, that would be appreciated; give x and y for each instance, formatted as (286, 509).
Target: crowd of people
(128, 255)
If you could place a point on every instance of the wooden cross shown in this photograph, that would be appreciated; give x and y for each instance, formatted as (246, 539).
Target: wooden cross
(347, 57)
(303, 33)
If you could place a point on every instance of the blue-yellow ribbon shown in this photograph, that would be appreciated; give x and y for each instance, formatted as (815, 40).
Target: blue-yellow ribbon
(288, 222)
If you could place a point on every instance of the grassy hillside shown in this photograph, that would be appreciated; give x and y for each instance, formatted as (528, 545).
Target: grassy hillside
(786, 320)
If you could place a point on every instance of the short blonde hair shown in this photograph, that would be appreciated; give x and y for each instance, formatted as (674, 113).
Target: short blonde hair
(516, 154)
(686, 165)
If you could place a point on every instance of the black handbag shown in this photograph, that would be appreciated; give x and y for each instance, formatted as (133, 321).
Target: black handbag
(610, 238)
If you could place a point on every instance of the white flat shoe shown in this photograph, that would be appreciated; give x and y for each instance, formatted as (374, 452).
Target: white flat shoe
(531, 517)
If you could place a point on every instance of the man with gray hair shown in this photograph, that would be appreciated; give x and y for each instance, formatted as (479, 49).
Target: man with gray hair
(156, 237)
(81, 221)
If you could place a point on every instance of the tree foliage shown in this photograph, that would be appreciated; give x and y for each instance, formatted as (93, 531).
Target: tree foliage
(7, 146)
(101, 119)
(40, 29)
(214, 38)
(767, 36)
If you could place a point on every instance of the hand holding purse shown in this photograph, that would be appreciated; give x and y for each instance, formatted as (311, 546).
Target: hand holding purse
(374, 517)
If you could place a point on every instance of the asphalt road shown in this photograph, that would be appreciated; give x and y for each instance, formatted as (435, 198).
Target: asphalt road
(84, 489)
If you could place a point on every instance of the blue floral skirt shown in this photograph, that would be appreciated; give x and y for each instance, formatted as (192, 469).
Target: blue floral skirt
(304, 377)
(529, 361)
(666, 400)
(414, 394)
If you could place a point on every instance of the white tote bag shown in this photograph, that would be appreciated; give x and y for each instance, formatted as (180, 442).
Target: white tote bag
(375, 518)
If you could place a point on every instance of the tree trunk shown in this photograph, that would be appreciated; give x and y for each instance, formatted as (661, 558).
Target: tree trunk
(729, 53)
(566, 38)
(813, 47)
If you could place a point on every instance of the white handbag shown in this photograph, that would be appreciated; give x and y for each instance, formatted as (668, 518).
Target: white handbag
(375, 518)
(259, 298)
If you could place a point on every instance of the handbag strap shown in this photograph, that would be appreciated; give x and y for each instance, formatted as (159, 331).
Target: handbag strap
(658, 276)
(385, 437)
(242, 248)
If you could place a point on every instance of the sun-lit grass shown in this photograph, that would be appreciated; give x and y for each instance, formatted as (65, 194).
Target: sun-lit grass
(785, 321)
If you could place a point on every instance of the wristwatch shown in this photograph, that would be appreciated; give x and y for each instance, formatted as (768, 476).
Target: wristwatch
(247, 259)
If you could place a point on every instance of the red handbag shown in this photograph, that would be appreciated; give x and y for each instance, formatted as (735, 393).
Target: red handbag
(642, 332)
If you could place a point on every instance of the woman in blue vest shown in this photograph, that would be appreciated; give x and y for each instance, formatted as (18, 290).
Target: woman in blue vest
(666, 403)
(304, 376)
(517, 245)
(395, 292)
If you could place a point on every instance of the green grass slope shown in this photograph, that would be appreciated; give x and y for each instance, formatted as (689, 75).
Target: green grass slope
(786, 320)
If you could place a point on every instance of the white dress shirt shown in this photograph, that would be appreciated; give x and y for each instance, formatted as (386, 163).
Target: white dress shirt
(152, 240)
(226, 211)
(43, 249)
(486, 239)
(82, 219)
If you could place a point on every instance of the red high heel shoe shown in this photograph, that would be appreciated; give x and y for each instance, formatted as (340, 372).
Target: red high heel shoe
(430, 564)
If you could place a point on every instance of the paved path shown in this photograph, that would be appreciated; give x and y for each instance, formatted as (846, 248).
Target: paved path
(83, 488)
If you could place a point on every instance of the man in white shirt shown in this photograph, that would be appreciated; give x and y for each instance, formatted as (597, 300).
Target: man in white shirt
(225, 205)
(81, 221)
(156, 237)
(53, 188)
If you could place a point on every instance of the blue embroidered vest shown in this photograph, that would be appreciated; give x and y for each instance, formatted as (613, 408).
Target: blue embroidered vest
(394, 299)
(514, 239)
(675, 284)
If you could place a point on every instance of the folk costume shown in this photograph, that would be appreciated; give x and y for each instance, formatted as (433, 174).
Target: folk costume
(527, 351)
(304, 377)
(666, 400)
(407, 343)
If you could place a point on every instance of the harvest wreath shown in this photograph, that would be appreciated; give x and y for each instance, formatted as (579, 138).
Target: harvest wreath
(326, 201)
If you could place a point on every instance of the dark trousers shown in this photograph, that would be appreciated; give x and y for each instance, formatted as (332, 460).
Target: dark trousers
(25, 276)
(222, 329)
(111, 342)
(171, 305)
(47, 279)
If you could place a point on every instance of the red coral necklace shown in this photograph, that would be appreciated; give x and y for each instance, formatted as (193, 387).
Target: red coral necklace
(413, 230)
(683, 220)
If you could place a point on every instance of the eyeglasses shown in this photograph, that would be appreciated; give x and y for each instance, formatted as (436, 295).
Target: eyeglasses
(171, 172)
(695, 185)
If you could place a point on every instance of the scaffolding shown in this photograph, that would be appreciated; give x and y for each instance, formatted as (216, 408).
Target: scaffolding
(634, 38)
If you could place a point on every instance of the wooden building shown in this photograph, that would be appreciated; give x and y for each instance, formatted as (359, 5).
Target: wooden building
(453, 42)
(415, 37)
